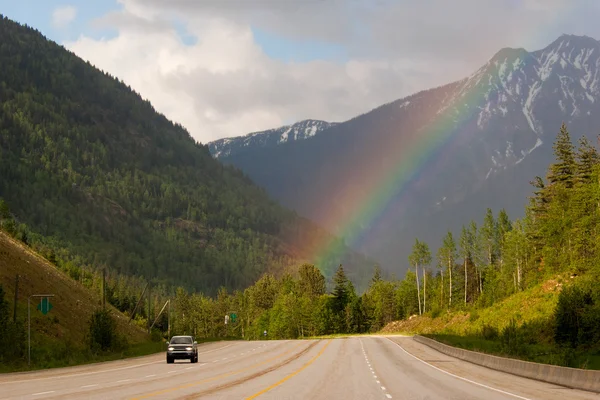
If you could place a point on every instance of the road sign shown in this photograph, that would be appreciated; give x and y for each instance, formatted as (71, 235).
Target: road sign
(233, 317)
(45, 306)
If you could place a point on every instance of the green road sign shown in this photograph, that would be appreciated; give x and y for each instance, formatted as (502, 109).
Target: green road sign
(45, 306)
(233, 317)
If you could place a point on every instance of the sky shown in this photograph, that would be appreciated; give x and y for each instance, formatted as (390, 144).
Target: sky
(226, 68)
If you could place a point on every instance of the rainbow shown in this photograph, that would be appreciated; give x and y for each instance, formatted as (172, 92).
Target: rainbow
(381, 190)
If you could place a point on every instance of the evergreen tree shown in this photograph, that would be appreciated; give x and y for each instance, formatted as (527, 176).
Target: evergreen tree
(340, 290)
(564, 169)
(587, 157)
(376, 275)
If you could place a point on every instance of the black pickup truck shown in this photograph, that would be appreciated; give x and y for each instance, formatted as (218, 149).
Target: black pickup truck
(182, 347)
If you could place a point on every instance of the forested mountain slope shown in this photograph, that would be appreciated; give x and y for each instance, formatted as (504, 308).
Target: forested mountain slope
(93, 169)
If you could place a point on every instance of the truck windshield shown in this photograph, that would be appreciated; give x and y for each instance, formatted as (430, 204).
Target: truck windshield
(181, 340)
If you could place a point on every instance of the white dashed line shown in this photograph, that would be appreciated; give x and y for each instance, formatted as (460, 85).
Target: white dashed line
(171, 372)
(150, 376)
(41, 393)
(189, 367)
(216, 361)
(88, 386)
(123, 380)
(389, 396)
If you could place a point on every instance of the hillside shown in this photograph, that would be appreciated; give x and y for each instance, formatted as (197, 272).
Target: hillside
(97, 177)
(434, 160)
(63, 330)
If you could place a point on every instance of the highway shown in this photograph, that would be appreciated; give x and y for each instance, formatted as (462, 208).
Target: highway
(374, 367)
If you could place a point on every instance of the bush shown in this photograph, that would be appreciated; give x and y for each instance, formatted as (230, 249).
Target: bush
(577, 317)
(473, 316)
(102, 331)
(512, 342)
(436, 312)
(489, 332)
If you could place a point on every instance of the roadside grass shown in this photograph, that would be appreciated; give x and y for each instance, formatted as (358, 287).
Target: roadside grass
(520, 326)
(60, 354)
(534, 352)
(58, 339)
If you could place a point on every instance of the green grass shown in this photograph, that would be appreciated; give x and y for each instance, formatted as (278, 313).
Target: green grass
(535, 352)
(65, 355)
(532, 311)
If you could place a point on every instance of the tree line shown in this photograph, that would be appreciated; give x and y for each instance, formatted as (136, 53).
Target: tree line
(481, 266)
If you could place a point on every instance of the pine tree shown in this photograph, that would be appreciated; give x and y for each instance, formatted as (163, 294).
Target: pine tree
(376, 275)
(564, 170)
(340, 290)
(587, 157)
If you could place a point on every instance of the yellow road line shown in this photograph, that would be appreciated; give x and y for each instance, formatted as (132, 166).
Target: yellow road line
(290, 375)
(188, 385)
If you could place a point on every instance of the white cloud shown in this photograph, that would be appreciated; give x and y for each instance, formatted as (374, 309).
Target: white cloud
(225, 85)
(63, 16)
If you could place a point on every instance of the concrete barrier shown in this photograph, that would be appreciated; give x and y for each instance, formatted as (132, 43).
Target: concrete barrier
(570, 377)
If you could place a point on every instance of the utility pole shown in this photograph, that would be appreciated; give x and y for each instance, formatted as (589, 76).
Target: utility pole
(169, 322)
(104, 289)
(149, 299)
(16, 297)
(139, 302)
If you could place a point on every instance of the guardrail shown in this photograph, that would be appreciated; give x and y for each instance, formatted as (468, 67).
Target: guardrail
(575, 378)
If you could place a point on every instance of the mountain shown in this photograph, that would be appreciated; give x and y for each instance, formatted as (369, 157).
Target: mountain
(99, 178)
(286, 134)
(432, 161)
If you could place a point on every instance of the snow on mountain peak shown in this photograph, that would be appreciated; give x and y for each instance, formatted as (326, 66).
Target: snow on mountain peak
(298, 131)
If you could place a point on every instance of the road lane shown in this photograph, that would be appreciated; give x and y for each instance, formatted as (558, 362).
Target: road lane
(375, 367)
(427, 372)
(144, 372)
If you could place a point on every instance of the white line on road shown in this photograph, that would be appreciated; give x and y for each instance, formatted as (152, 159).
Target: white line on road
(123, 380)
(382, 388)
(41, 393)
(150, 376)
(389, 396)
(88, 386)
(459, 377)
(171, 372)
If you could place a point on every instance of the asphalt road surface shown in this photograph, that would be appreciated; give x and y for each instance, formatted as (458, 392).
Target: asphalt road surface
(374, 367)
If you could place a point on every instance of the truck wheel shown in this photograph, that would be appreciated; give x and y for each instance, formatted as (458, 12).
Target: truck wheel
(170, 360)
